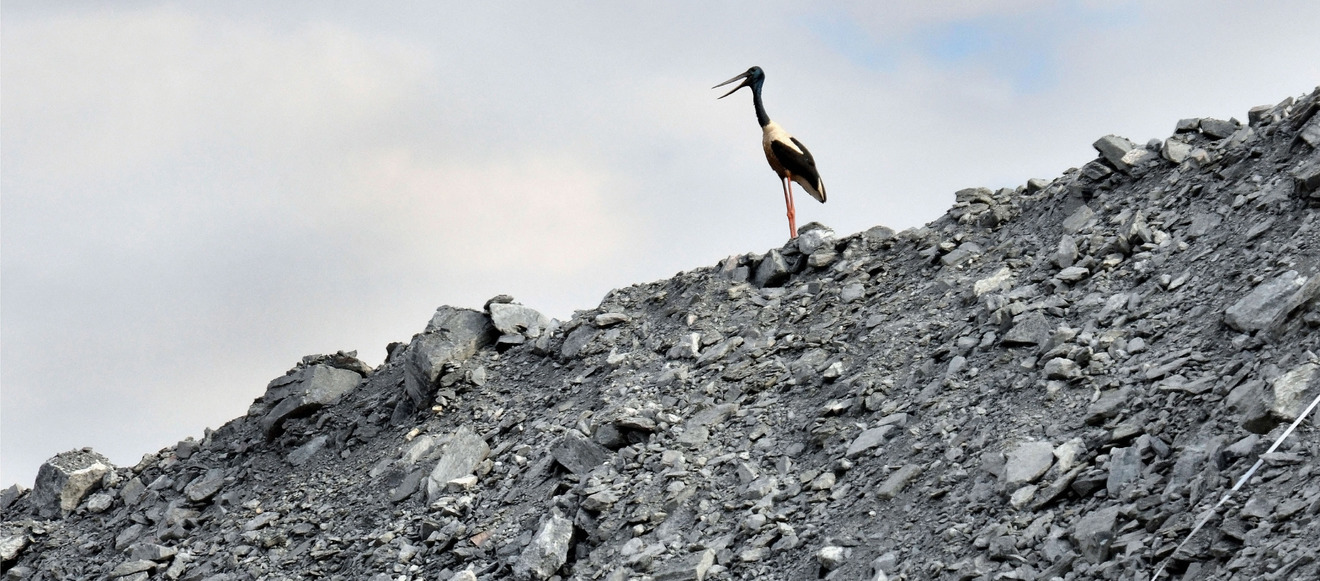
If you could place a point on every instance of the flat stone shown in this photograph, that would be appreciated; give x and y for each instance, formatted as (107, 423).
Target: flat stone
(548, 550)
(868, 440)
(65, 480)
(130, 567)
(514, 319)
(898, 481)
(610, 319)
(578, 454)
(1078, 220)
(1072, 274)
(964, 252)
(205, 487)
(464, 452)
(1027, 462)
(812, 239)
(1271, 302)
(1094, 533)
(690, 568)
(1124, 469)
(305, 452)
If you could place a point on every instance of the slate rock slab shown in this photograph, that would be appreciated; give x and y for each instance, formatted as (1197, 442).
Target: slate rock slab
(513, 319)
(578, 454)
(772, 272)
(63, 481)
(464, 452)
(1031, 328)
(1270, 302)
(451, 337)
(304, 392)
(1028, 462)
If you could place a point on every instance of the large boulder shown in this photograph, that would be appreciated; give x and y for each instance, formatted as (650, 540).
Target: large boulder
(63, 481)
(1270, 303)
(302, 392)
(451, 337)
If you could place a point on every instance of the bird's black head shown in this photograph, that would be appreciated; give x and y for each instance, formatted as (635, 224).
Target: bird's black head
(752, 78)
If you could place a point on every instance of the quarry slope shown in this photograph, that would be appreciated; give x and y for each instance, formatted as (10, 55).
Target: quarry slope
(1049, 382)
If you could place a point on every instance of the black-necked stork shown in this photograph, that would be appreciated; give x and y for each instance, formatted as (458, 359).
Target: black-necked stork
(787, 156)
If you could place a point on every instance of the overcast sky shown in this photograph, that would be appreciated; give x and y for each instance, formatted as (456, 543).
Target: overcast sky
(197, 194)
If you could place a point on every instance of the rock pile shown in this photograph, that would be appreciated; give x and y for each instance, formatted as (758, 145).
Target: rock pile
(1048, 382)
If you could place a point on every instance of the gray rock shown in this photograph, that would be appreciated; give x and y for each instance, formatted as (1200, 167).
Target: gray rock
(464, 452)
(578, 454)
(610, 319)
(548, 550)
(1094, 533)
(1175, 151)
(99, 502)
(1078, 220)
(868, 440)
(772, 272)
(1203, 223)
(1217, 128)
(577, 340)
(1295, 390)
(451, 337)
(690, 568)
(878, 234)
(303, 392)
(1027, 463)
(1271, 302)
(1107, 406)
(814, 238)
(1073, 274)
(964, 252)
(898, 481)
(1061, 368)
(11, 546)
(130, 567)
(1031, 328)
(205, 487)
(1124, 469)
(305, 452)
(11, 495)
(63, 481)
(512, 319)
(830, 557)
(1113, 148)
(1066, 254)
(151, 552)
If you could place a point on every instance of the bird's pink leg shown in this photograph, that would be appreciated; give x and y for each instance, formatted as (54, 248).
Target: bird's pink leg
(788, 201)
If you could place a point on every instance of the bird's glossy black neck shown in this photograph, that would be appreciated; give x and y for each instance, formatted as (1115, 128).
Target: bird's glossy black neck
(761, 116)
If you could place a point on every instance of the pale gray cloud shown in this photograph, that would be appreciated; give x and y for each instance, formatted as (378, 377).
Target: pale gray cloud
(197, 194)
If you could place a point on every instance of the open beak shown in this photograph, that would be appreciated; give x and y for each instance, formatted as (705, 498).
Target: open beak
(746, 83)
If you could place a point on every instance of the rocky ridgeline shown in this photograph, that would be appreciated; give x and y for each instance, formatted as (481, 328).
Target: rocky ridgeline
(1052, 382)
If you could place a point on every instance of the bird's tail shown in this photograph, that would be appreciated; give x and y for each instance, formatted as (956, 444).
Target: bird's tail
(817, 190)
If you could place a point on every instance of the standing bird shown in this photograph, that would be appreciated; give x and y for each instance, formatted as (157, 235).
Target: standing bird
(787, 156)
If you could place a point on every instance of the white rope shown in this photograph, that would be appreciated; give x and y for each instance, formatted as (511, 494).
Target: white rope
(1211, 513)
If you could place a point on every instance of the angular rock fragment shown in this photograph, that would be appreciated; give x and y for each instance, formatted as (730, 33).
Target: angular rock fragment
(548, 550)
(772, 272)
(1113, 148)
(63, 481)
(303, 392)
(1271, 302)
(463, 453)
(578, 454)
(514, 319)
(1027, 462)
(1094, 533)
(1032, 328)
(690, 568)
(897, 481)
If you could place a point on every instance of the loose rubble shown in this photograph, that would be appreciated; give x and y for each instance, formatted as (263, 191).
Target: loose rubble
(1049, 382)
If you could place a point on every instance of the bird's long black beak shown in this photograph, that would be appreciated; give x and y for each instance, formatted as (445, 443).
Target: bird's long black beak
(747, 82)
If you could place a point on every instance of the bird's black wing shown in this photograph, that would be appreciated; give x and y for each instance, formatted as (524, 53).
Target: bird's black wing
(801, 165)
(798, 163)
